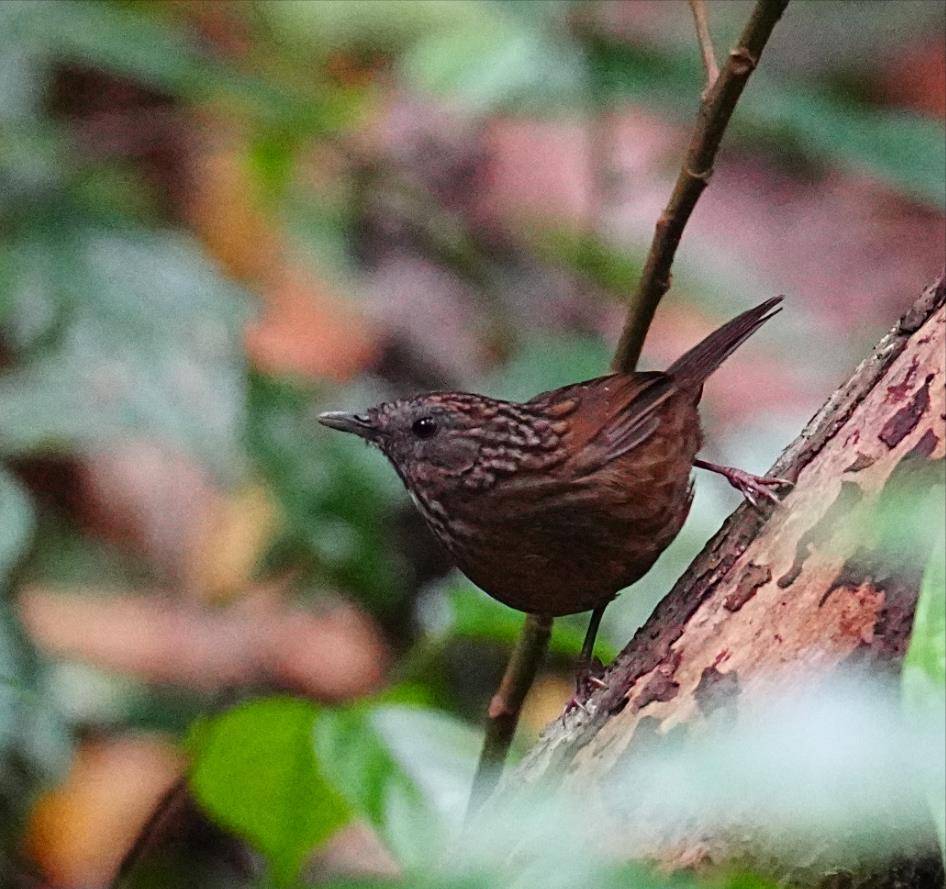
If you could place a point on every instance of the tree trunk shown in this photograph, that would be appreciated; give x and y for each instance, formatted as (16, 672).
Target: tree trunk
(788, 589)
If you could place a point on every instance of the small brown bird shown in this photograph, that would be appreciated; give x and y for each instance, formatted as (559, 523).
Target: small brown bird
(554, 505)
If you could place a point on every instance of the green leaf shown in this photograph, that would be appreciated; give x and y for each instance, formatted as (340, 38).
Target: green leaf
(16, 524)
(924, 677)
(500, 60)
(352, 25)
(483, 53)
(408, 771)
(132, 42)
(256, 772)
(31, 161)
(467, 612)
(28, 725)
(106, 36)
(11, 691)
(899, 147)
(335, 499)
(131, 335)
(546, 362)
(927, 652)
(612, 269)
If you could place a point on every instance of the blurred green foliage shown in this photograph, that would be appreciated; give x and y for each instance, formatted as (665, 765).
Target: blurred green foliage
(120, 335)
(286, 775)
(405, 770)
(16, 523)
(924, 671)
(546, 362)
(118, 324)
(463, 612)
(601, 876)
(802, 123)
(255, 772)
(336, 500)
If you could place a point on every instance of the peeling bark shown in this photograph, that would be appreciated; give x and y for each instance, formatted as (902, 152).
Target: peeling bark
(798, 586)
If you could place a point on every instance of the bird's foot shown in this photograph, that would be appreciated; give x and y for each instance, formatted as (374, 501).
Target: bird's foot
(752, 487)
(573, 704)
(587, 679)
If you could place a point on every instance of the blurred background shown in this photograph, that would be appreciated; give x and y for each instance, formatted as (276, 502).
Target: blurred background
(218, 219)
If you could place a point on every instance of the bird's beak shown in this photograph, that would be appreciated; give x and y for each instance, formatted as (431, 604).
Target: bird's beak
(345, 422)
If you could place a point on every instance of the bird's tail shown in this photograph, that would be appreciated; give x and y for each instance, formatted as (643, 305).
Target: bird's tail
(692, 369)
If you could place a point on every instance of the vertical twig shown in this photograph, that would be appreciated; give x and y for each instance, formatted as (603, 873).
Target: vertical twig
(714, 114)
(171, 801)
(698, 8)
(507, 702)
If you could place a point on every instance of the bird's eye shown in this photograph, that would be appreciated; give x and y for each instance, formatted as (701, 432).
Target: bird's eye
(425, 427)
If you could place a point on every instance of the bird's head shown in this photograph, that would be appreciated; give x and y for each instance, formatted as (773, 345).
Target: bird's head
(430, 437)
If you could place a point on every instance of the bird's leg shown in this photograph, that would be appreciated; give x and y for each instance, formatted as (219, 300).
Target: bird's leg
(749, 485)
(585, 675)
(586, 660)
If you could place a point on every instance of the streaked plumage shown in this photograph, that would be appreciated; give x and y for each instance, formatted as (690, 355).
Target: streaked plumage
(556, 504)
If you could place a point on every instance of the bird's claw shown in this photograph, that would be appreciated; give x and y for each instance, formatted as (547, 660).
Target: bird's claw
(573, 704)
(750, 486)
(586, 680)
(753, 487)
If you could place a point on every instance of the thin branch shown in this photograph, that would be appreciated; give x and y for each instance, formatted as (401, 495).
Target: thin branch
(507, 702)
(169, 808)
(714, 114)
(698, 8)
(171, 801)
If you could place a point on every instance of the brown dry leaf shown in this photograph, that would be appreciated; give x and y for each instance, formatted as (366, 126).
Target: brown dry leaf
(355, 852)
(336, 653)
(306, 331)
(545, 702)
(552, 184)
(225, 27)
(224, 208)
(232, 539)
(78, 832)
(916, 78)
(150, 499)
(826, 243)
(333, 654)
(166, 508)
(453, 340)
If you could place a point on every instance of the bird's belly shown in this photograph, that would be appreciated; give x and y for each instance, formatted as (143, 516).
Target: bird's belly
(569, 543)
(565, 562)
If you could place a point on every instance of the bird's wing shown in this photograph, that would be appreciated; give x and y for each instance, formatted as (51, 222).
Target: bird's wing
(636, 417)
(617, 413)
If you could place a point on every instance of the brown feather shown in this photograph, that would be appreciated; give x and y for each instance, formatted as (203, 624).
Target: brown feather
(691, 369)
(556, 504)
